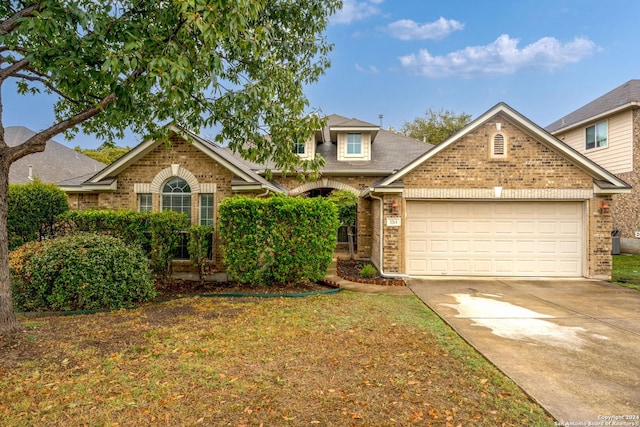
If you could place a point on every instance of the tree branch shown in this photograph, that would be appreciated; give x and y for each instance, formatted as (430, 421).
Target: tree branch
(13, 69)
(38, 142)
(11, 22)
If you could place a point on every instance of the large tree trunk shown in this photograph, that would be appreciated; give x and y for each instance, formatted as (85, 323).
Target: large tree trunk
(8, 322)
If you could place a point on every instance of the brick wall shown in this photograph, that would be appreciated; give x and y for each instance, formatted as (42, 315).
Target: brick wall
(529, 167)
(143, 171)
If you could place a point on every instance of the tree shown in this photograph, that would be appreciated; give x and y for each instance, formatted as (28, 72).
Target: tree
(435, 126)
(140, 64)
(106, 153)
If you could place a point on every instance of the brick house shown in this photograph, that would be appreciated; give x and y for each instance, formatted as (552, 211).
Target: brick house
(607, 131)
(502, 197)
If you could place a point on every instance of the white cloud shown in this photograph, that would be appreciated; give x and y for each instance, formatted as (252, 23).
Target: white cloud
(371, 69)
(407, 29)
(500, 57)
(353, 10)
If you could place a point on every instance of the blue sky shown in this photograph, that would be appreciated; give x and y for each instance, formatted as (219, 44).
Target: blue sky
(545, 58)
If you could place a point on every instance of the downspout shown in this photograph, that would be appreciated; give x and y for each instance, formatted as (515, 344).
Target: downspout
(381, 263)
(264, 194)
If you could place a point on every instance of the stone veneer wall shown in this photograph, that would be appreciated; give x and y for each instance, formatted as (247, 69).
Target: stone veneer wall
(626, 207)
(529, 165)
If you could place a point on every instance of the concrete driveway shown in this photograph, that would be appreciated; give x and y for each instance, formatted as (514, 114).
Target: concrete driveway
(571, 344)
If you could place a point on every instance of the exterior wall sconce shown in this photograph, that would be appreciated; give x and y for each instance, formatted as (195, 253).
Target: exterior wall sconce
(604, 208)
(394, 207)
(498, 192)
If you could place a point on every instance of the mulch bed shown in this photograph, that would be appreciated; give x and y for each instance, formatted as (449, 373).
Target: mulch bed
(176, 288)
(350, 270)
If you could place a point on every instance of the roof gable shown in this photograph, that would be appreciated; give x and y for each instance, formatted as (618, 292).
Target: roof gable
(598, 173)
(620, 98)
(245, 176)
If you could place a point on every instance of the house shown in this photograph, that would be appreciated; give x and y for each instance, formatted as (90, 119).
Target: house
(502, 197)
(607, 131)
(55, 164)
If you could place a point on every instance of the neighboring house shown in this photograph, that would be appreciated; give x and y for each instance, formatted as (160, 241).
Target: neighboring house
(55, 164)
(502, 197)
(607, 131)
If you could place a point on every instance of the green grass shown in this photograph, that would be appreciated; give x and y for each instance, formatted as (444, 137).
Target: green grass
(626, 271)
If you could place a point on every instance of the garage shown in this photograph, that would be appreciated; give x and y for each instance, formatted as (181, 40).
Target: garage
(495, 238)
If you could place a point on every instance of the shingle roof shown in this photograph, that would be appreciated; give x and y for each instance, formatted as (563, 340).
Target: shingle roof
(389, 151)
(55, 164)
(620, 97)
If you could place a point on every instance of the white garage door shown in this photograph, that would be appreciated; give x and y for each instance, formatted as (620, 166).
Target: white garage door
(494, 238)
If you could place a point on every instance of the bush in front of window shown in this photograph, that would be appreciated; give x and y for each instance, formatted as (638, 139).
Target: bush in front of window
(279, 240)
(158, 233)
(83, 271)
(200, 239)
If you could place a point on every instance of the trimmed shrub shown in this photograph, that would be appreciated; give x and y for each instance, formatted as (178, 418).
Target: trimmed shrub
(200, 238)
(368, 271)
(277, 240)
(33, 209)
(83, 271)
(158, 233)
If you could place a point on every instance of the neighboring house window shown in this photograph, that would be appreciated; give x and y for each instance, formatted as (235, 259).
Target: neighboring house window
(498, 146)
(596, 135)
(299, 147)
(354, 143)
(176, 196)
(144, 202)
(206, 209)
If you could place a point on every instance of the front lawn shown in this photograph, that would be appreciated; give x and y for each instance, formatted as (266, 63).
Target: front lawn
(329, 360)
(626, 271)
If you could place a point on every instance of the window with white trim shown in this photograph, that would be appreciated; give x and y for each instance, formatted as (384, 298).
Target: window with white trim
(206, 209)
(596, 135)
(176, 196)
(145, 203)
(354, 144)
(299, 147)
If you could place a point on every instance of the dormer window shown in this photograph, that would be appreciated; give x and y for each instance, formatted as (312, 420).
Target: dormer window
(299, 148)
(354, 144)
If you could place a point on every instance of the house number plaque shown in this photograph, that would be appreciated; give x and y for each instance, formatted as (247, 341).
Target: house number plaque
(393, 221)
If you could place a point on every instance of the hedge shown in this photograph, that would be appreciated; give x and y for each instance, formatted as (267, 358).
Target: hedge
(84, 271)
(156, 232)
(278, 240)
(32, 210)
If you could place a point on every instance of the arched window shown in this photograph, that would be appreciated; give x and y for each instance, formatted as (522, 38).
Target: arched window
(176, 196)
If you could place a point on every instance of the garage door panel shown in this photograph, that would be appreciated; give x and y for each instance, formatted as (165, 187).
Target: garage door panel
(417, 227)
(501, 247)
(489, 238)
(438, 227)
(483, 246)
(525, 247)
(546, 247)
(439, 246)
(461, 246)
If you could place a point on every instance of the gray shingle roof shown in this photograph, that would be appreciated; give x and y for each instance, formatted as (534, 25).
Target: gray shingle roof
(55, 164)
(389, 151)
(624, 95)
